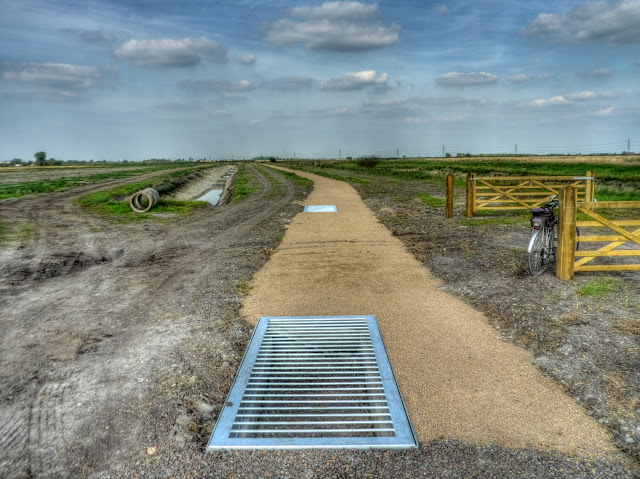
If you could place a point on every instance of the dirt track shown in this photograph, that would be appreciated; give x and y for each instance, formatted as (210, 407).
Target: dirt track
(106, 342)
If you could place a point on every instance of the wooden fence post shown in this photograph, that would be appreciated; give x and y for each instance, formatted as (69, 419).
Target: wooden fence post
(471, 199)
(449, 197)
(566, 245)
(591, 187)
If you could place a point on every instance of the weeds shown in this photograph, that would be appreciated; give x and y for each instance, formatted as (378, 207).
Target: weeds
(243, 187)
(244, 287)
(431, 200)
(599, 287)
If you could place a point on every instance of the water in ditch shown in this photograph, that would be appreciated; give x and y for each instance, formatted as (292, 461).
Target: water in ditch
(212, 197)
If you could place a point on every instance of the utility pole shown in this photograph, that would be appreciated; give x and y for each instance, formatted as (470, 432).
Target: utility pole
(442, 151)
(516, 150)
(294, 155)
(397, 152)
(340, 153)
(628, 144)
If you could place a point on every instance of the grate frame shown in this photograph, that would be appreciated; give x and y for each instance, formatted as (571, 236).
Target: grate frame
(314, 346)
(320, 209)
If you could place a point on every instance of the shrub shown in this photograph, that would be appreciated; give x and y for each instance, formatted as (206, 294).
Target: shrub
(368, 162)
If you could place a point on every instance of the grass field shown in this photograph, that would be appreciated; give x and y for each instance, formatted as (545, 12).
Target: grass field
(27, 181)
(617, 178)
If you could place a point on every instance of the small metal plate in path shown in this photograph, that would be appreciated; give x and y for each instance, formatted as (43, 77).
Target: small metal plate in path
(321, 209)
(314, 382)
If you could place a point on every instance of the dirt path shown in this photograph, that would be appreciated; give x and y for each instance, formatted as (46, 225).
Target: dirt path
(458, 378)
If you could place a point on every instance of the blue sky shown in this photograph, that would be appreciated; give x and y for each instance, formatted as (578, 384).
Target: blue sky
(97, 79)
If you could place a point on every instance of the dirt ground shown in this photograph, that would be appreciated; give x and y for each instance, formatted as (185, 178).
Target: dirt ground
(120, 337)
(119, 342)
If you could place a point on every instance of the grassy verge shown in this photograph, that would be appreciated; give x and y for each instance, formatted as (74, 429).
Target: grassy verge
(304, 182)
(244, 186)
(114, 202)
(14, 190)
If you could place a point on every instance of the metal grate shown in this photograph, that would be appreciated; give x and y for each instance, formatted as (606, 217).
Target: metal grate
(314, 382)
(320, 209)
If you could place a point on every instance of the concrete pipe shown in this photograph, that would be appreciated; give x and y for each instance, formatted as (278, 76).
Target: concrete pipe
(144, 200)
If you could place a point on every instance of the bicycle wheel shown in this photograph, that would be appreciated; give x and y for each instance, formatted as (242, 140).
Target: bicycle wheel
(540, 250)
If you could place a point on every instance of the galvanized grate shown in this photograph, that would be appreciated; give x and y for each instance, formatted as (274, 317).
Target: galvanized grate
(320, 209)
(314, 382)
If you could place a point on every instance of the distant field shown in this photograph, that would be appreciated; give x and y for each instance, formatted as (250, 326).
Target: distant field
(617, 177)
(16, 182)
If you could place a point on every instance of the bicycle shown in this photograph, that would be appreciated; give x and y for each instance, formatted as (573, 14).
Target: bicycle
(542, 245)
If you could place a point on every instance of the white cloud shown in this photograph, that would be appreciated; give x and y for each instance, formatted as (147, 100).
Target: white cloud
(54, 75)
(167, 52)
(583, 95)
(355, 81)
(218, 85)
(467, 79)
(338, 26)
(605, 111)
(555, 101)
(336, 11)
(615, 23)
(255, 122)
(601, 72)
(518, 78)
(248, 60)
(441, 9)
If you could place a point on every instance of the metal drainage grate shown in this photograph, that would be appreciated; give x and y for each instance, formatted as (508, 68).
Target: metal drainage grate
(320, 209)
(314, 382)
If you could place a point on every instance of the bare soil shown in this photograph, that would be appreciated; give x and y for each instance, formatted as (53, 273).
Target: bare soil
(117, 338)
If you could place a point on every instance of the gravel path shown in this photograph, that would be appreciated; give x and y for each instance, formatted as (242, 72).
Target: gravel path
(459, 379)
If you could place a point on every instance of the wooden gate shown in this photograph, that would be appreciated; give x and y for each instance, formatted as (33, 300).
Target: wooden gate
(521, 192)
(619, 238)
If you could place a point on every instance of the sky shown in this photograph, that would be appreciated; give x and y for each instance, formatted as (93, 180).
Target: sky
(112, 79)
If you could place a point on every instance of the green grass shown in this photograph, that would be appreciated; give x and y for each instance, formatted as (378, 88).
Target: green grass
(244, 186)
(432, 200)
(19, 232)
(14, 190)
(244, 287)
(304, 182)
(114, 202)
(599, 287)
(435, 171)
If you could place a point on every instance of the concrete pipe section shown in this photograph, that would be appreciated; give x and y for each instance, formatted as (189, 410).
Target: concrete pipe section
(144, 200)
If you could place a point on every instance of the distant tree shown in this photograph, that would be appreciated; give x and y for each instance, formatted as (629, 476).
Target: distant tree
(448, 155)
(368, 162)
(41, 158)
(16, 161)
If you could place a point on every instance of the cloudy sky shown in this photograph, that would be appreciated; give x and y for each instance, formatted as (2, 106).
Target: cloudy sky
(110, 79)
